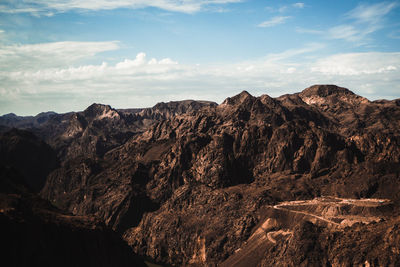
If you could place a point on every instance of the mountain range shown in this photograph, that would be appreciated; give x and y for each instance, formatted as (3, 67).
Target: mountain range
(304, 179)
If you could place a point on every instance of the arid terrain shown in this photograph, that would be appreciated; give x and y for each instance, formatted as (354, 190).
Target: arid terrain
(306, 179)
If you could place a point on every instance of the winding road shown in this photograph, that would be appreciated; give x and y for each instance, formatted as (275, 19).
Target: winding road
(279, 207)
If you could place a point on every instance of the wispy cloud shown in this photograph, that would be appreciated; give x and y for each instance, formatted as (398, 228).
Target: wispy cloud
(360, 23)
(309, 31)
(40, 7)
(347, 32)
(394, 34)
(285, 8)
(371, 14)
(366, 19)
(274, 21)
(290, 53)
(298, 5)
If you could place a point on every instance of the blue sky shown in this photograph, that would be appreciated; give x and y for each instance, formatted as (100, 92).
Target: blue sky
(63, 55)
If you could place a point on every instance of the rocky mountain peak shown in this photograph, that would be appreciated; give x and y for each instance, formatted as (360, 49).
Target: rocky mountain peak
(182, 106)
(48, 113)
(9, 115)
(291, 100)
(238, 99)
(100, 111)
(165, 110)
(267, 100)
(331, 96)
(97, 107)
(324, 90)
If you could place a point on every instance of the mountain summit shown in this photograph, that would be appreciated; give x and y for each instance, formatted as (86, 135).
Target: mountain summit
(325, 90)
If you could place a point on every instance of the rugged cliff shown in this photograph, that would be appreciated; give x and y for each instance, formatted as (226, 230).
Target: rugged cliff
(34, 232)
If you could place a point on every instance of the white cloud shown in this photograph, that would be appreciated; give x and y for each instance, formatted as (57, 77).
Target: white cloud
(298, 5)
(274, 21)
(291, 70)
(47, 7)
(127, 63)
(141, 81)
(53, 54)
(283, 9)
(359, 64)
(347, 32)
(167, 61)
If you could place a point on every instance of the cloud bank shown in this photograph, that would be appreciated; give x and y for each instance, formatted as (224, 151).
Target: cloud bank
(56, 79)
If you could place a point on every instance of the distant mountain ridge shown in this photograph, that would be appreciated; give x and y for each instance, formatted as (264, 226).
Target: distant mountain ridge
(163, 109)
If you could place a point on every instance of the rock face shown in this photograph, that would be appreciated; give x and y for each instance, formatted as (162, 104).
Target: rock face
(34, 233)
(34, 159)
(189, 183)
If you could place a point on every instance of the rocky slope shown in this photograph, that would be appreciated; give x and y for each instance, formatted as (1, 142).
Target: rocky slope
(35, 233)
(34, 158)
(97, 129)
(326, 231)
(188, 183)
